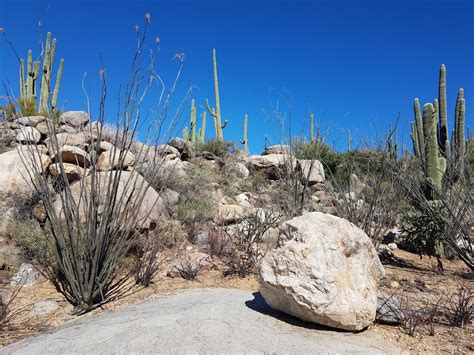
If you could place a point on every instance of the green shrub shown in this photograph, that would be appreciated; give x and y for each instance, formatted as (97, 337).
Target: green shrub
(424, 232)
(34, 243)
(216, 147)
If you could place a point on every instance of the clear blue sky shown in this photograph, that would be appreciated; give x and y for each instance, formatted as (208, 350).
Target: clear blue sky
(369, 58)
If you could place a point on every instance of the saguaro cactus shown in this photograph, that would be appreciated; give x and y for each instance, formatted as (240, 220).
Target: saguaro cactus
(202, 130)
(244, 140)
(348, 140)
(311, 127)
(216, 113)
(443, 111)
(28, 87)
(435, 165)
(192, 124)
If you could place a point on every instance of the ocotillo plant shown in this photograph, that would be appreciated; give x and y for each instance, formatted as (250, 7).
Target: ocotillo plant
(28, 92)
(216, 113)
(244, 140)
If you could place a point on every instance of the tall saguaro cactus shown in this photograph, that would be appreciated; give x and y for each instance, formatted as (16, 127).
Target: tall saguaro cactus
(216, 113)
(244, 140)
(453, 151)
(192, 124)
(443, 112)
(311, 127)
(202, 130)
(28, 93)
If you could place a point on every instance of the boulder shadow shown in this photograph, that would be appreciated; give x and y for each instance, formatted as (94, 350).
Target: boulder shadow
(259, 304)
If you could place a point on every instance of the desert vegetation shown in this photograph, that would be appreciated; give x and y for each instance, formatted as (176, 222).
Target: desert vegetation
(103, 209)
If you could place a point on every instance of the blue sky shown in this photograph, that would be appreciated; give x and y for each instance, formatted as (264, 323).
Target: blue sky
(354, 64)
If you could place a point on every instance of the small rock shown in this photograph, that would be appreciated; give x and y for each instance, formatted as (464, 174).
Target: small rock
(44, 307)
(393, 285)
(72, 171)
(241, 170)
(277, 149)
(28, 135)
(388, 309)
(243, 200)
(30, 120)
(74, 155)
(26, 276)
(110, 159)
(392, 246)
(74, 118)
(67, 129)
(229, 213)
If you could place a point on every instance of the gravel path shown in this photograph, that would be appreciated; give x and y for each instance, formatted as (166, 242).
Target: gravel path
(198, 321)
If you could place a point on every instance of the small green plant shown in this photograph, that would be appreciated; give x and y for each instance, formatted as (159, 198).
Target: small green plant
(425, 233)
(216, 147)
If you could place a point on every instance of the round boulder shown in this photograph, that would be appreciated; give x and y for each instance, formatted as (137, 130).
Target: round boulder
(326, 271)
(28, 135)
(74, 118)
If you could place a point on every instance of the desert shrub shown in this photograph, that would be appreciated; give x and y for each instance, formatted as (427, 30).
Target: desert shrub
(319, 150)
(256, 182)
(9, 309)
(459, 306)
(425, 234)
(147, 259)
(217, 242)
(215, 147)
(195, 206)
(35, 243)
(188, 269)
(244, 240)
(22, 203)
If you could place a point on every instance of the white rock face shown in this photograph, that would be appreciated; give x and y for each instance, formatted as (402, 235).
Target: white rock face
(28, 135)
(74, 118)
(327, 272)
(313, 171)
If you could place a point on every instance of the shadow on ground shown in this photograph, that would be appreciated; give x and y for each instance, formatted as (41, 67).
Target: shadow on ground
(259, 304)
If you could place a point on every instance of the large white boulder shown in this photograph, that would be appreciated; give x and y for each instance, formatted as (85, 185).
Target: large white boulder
(326, 271)
(133, 192)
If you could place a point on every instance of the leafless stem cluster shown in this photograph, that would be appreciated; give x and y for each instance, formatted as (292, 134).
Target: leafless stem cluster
(95, 220)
